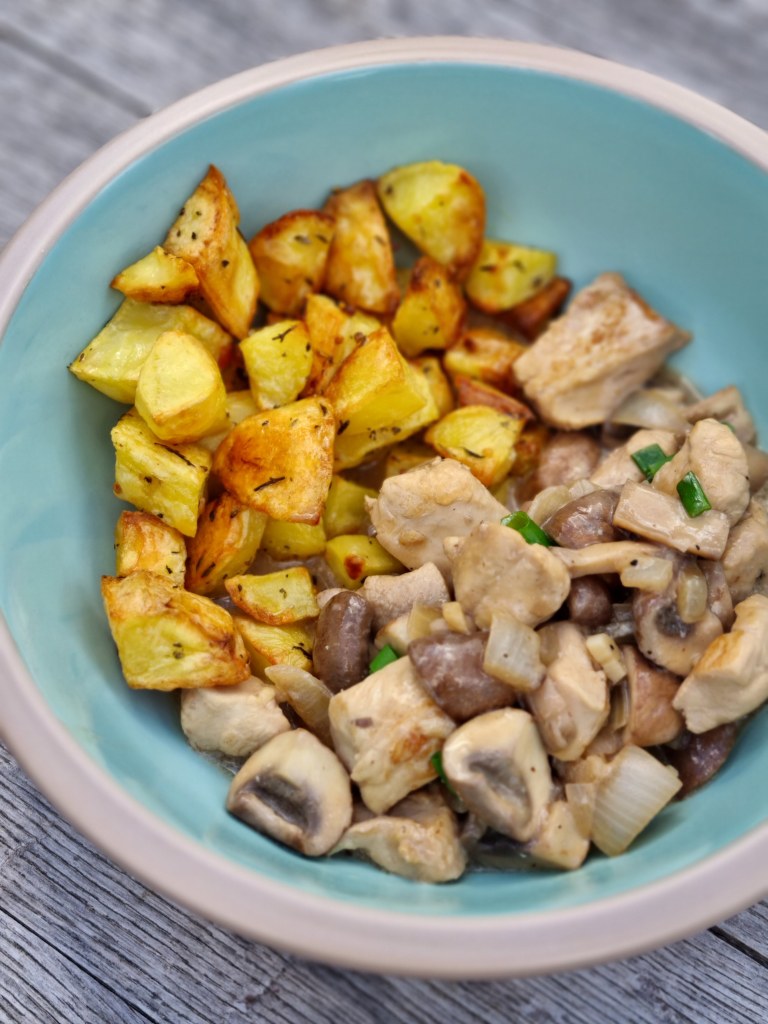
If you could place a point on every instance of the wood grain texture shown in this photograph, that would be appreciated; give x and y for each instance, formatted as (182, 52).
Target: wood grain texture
(80, 940)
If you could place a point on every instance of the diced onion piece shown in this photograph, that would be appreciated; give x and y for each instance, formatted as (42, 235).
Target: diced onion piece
(456, 617)
(604, 650)
(635, 789)
(306, 694)
(653, 408)
(581, 797)
(620, 706)
(547, 502)
(512, 653)
(647, 573)
(395, 634)
(420, 620)
(581, 487)
(692, 593)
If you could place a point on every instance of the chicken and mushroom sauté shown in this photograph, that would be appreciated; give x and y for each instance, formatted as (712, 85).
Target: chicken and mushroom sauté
(451, 569)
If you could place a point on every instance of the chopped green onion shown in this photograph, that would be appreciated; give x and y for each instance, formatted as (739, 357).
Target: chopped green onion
(692, 495)
(437, 763)
(729, 425)
(385, 656)
(650, 460)
(530, 530)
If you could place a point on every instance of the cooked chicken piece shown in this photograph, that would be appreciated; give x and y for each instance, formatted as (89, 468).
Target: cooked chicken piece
(607, 344)
(717, 457)
(235, 720)
(417, 510)
(745, 559)
(566, 458)
(571, 704)
(731, 678)
(559, 842)
(385, 730)
(418, 839)
(619, 466)
(652, 718)
(648, 512)
(494, 568)
(725, 405)
(391, 596)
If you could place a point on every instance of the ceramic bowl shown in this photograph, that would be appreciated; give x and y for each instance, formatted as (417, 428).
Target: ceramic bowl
(614, 169)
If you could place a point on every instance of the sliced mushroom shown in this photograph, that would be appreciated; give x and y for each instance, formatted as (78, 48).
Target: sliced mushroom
(731, 678)
(418, 839)
(725, 405)
(495, 568)
(652, 718)
(657, 516)
(417, 510)
(745, 559)
(498, 766)
(342, 637)
(568, 456)
(619, 466)
(586, 520)
(598, 559)
(589, 602)
(698, 758)
(296, 790)
(450, 668)
(719, 597)
(385, 730)
(235, 720)
(391, 596)
(571, 704)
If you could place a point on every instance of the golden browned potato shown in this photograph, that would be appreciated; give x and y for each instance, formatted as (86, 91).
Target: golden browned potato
(112, 361)
(486, 353)
(278, 359)
(407, 455)
(281, 461)
(431, 313)
(481, 438)
(275, 645)
(361, 268)
(180, 393)
(506, 274)
(290, 256)
(142, 541)
(286, 541)
(157, 277)
(528, 448)
(354, 557)
(167, 480)
(205, 235)
(277, 598)
(226, 542)
(440, 207)
(432, 369)
(532, 316)
(345, 510)
(168, 638)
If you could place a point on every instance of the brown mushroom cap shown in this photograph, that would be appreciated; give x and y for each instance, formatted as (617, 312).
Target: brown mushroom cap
(450, 668)
(652, 719)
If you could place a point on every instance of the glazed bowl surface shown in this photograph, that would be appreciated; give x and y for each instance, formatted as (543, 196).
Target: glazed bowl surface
(612, 168)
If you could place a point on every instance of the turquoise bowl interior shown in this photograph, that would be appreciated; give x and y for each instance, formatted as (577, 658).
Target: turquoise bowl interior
(610, 182)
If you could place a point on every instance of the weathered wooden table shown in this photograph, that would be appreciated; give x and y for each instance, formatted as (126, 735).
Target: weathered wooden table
(81, 941)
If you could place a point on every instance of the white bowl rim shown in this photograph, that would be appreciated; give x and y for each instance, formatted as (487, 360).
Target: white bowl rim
(241, 899)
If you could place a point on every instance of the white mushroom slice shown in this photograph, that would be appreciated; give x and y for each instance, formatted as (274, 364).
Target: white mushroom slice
(235, 720)
(658, 516)
(385, 730)
(614, 557)
(560, 842)
(498, 766)
(745, 559)
(296, 790)
(619, 466)
(495, 569)
(608, 343)
(417, 839)
(417, 510)
(391, 596)
(725, 405)
(731, 677)
(572, 703)
(717, 457)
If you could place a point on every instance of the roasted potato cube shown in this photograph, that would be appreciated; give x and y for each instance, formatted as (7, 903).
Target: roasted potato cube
(168, 638)
(205, 235)
(440, 207)
(481, 438)
(407, 456)
(281, 461)
(157, 277)
(278, 359)
(470, 391)
(361, 268)
(167, 480)
(532, 316)
(290, 256)
(239, 406)
(324, 320)
(180, 394)
(345, 510)
(112, 361)
(485, 353)
(439, 385)
(286, 541)
(528, 448)
(142, 541)
(506, 274)
(275, 645)
(227, 539)
(277, 598)
(353, 557)
(431, 313)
